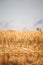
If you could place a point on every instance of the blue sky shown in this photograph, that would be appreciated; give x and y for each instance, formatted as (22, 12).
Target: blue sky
(20, 14)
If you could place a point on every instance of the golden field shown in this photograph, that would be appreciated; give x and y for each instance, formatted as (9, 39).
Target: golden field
(21, 48)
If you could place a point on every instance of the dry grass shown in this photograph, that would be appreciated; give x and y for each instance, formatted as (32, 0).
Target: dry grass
(21, 48)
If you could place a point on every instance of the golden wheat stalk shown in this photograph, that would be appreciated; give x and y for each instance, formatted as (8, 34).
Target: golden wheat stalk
(21, 48)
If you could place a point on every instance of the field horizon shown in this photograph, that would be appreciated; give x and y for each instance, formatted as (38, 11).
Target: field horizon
(21, 47)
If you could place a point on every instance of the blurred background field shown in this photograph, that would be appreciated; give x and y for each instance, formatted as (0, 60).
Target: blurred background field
(21, 48)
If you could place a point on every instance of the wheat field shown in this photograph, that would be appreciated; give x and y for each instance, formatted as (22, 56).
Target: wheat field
(21, 47)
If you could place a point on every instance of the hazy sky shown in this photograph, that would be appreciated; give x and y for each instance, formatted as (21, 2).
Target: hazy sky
(20, 14)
